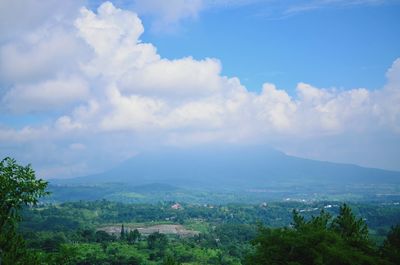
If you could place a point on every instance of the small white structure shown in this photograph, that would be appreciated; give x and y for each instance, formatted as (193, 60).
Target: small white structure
(176, 206)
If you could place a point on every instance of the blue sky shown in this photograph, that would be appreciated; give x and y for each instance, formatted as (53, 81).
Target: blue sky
(86, 84)
(343, 47)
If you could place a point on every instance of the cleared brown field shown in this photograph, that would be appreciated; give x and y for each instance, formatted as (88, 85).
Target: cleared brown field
(168, 229)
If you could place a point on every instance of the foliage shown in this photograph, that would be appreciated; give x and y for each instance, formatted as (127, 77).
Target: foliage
(19, 187)
(391, 246)
(71, 233)
(226, 233)
(349, 228)
(133, 236)
(320, 240)
(94, 253)
(170, 260)
(122, 233)
(158, 243)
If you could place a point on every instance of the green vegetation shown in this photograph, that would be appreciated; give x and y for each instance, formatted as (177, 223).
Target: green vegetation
(73, 233)
(320, 240)
(18, 188)
(155, 192)
(108, 232)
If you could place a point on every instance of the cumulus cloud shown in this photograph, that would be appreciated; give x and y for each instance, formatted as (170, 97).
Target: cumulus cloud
(183, 77)
(43, 52)
(114, 36)
(109, 28)
(393, 75)
(18, 17)
(119, 94)
(389, 97)
(47, 95)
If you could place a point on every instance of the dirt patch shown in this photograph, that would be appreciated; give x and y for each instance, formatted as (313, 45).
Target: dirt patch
(168, 229)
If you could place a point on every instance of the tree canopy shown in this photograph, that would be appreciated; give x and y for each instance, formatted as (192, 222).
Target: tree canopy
(342, 240)
(19, 187)
(391, 246)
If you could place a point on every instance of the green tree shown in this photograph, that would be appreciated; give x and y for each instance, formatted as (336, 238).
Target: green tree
(315, 241)
(169, 260)
(122, 233)
(102, 236)
(136, 235)
(391, 246)
(18, 187)
(158, 243)
(53, 242)
(355, 231)
(133, 236)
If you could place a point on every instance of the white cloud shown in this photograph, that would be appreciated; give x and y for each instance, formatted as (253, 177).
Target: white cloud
(9, 136)
(387, 105)
(275, 108)
(183, 77)
(114, 35)
(47, 95)
(18, 17)
(131, 112)
(65, 124)
(168, 13)
(41, 54)
(109, 28)
(393, 75)
(119, 94)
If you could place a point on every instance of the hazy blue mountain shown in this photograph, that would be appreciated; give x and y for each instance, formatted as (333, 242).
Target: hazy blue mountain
(235, 167)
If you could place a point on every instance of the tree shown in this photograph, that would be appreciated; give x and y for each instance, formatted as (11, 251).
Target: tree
(355, 231)
(136, 235)
(133, 236)
(158, 243)
(391, 246)
(316, 241)
(122, 233)
(18, 187)
(102, 236)
(169, 260)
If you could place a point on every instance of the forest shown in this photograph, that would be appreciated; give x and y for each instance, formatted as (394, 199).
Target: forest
(34, 231)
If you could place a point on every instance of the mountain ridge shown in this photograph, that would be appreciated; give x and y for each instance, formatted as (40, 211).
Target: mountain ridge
(234, 167)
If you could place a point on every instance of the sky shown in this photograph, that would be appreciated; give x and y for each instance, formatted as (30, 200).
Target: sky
(86, 84)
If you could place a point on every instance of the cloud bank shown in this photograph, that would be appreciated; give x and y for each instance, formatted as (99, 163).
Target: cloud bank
(105, 95)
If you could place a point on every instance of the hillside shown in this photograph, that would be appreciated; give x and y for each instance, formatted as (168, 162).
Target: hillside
(233, 167)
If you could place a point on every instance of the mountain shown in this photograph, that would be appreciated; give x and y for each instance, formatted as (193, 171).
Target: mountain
(236, 167)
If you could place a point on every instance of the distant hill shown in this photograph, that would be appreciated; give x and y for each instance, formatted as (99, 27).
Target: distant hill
(154, 187)
(234, 167)
(62, 191)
